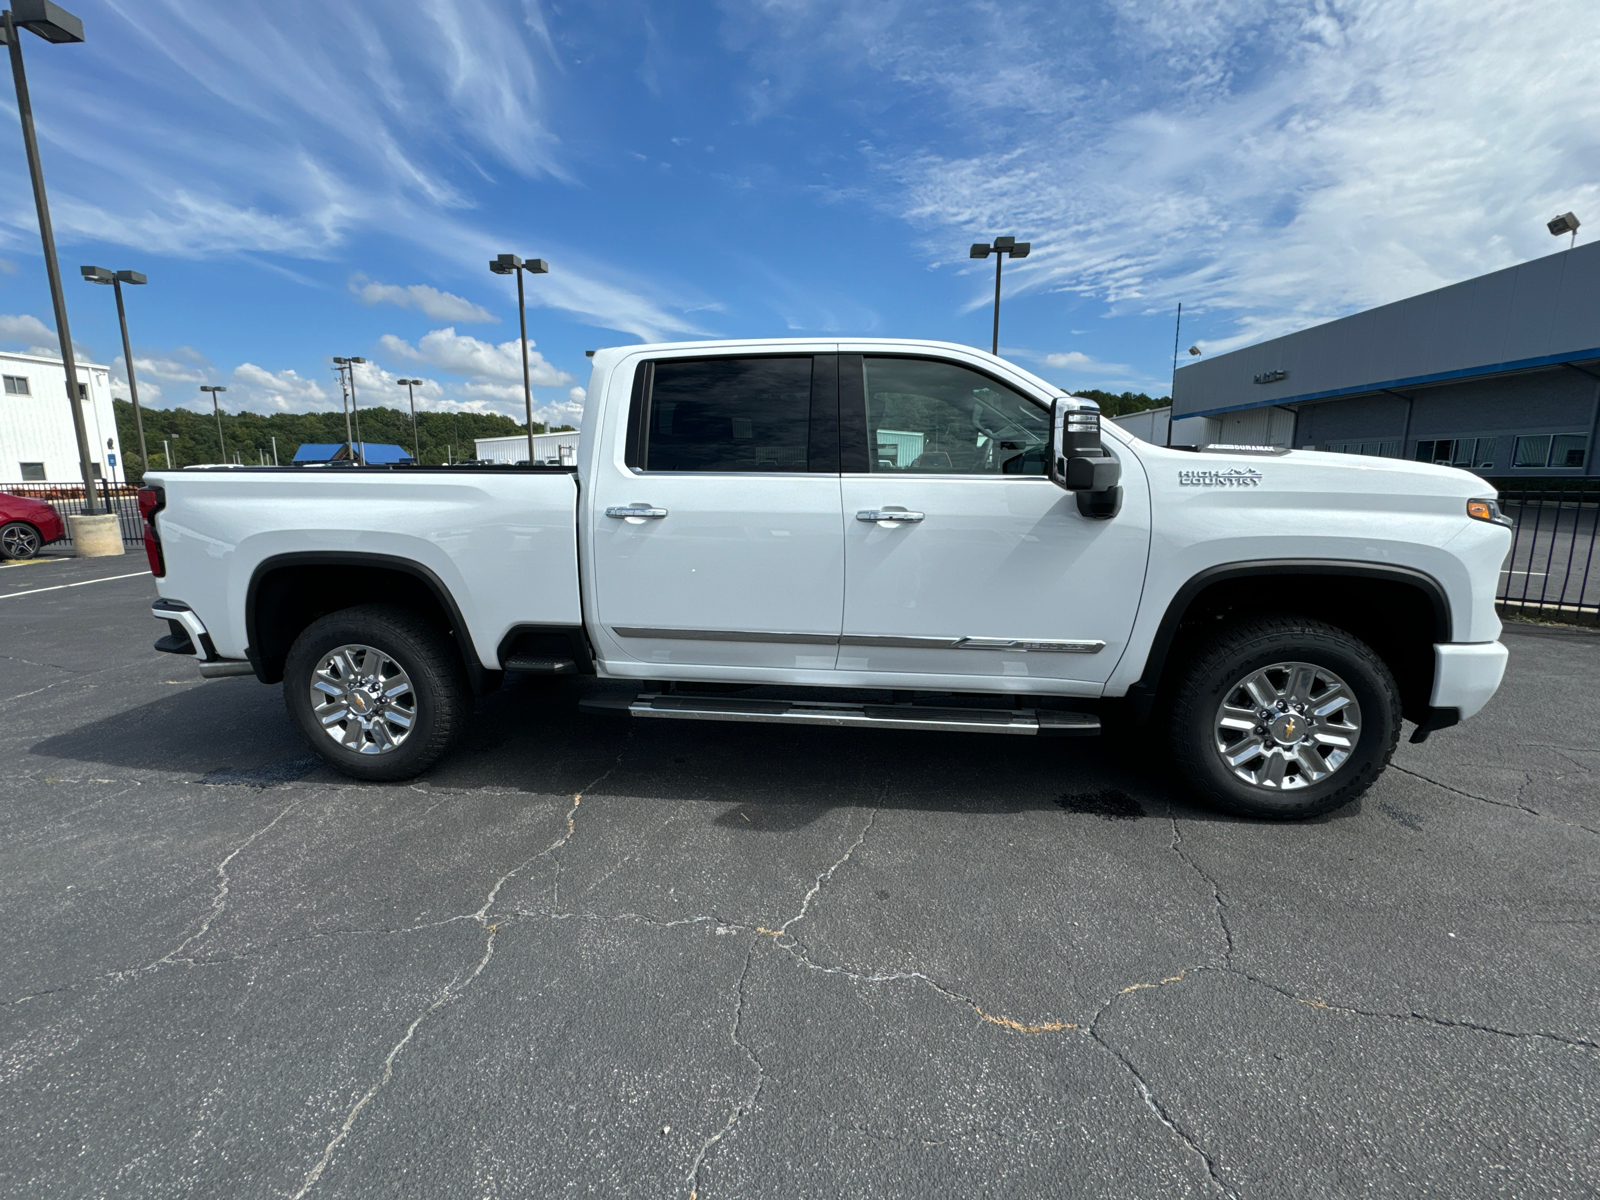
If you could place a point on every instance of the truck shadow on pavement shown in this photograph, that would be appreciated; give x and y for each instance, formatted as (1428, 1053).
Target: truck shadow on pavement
(531, 737)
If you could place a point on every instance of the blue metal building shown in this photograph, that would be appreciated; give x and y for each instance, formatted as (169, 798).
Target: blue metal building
(375, 453)
(1499, 374)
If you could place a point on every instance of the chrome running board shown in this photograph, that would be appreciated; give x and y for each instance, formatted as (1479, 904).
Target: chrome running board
(1025, 721)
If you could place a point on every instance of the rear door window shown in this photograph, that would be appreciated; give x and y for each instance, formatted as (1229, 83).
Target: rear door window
(744, 415)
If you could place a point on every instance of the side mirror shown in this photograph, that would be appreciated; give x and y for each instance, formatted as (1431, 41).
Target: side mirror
(1078, 459)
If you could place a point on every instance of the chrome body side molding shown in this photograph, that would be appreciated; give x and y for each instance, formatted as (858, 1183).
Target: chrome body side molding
(881, 641)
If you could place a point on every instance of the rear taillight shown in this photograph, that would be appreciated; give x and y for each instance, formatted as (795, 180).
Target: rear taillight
(151, 500)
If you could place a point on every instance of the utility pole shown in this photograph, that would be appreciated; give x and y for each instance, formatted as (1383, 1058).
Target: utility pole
(357, 447)
(1172, 391)
(416, 445)
(217, 409)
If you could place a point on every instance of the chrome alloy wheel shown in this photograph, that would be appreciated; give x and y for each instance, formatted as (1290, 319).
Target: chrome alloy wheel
(1287, 726)
(363, 700)
(18, 541)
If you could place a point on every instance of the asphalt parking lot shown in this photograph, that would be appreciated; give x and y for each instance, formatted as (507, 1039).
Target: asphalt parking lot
(668, 959)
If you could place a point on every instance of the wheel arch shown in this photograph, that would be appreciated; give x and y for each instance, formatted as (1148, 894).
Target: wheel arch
(288, 591)
(1399, 611)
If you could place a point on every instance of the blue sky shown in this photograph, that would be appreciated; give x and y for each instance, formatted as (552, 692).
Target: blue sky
(300, 180)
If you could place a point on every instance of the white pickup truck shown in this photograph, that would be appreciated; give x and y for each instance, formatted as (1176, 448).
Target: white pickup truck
(879, 534)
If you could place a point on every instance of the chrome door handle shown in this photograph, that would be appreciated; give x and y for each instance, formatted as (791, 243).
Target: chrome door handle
(636, 510)
(888, 514)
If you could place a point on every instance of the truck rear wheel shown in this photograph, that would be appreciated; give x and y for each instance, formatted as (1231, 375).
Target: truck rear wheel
(377, 691)
(1284, 717)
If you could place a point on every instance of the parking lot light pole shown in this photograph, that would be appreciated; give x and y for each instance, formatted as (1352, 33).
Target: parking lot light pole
(1565, 223)
(216, 408)
(1002, 247)
(53, 24)
(510, 264)
(116, 279)
(408, 384)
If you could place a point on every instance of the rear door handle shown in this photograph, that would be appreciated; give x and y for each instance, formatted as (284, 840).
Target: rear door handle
(636, 510)
(889, 514)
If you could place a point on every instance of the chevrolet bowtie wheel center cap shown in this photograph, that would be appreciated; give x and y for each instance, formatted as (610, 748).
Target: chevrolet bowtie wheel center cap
(1288, 728)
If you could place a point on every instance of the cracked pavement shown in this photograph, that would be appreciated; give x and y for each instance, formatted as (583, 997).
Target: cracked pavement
(592, 956)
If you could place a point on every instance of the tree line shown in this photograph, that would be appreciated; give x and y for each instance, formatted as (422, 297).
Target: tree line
(1117, 404)
(192, 436)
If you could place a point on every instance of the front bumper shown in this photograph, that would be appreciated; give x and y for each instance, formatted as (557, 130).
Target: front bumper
(1466, 675)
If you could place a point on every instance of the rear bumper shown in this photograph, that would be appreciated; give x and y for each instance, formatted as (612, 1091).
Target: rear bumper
(1466, 675)
(189, 637)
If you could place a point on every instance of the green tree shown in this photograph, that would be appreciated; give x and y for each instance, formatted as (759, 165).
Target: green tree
(192, 436)
(1116, 404)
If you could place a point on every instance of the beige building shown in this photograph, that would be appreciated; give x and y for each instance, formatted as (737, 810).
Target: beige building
(37, 442)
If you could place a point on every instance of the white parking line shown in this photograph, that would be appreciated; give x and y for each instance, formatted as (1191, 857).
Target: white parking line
(59, 586)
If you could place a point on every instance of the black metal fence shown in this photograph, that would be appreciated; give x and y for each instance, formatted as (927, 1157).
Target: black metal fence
(1551, 569)
(67, 499)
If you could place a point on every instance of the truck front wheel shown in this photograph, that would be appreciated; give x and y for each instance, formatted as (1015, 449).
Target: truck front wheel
(1284, 717)
(377, 691)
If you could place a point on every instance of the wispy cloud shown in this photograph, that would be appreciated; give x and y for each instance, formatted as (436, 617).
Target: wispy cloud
(493, 370)
(1275, 161)
(33, 336)
(290, 129)
(429, 301)
(1078, 360)
(22, 327)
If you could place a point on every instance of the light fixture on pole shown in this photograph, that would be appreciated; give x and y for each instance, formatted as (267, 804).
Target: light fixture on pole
(57, 25)
(1002, 246)
(116, 279)
(408, 384)
(510, 264)
(1565, 223)
(217, 409)
(358, 447)
(1194, 351)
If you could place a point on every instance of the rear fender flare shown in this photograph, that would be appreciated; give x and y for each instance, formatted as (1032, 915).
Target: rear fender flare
(483, 679)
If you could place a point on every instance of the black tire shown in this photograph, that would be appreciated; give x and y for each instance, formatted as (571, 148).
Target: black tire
(439, 698)
(19, 539)
(1215, 672)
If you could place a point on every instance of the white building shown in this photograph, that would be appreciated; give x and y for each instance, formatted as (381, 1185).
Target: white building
(37, 441)
(547, 447)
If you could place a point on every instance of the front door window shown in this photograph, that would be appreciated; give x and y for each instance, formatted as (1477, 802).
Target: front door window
(928, 417)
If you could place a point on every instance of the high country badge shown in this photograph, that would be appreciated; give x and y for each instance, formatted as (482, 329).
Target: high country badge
(1233, 477)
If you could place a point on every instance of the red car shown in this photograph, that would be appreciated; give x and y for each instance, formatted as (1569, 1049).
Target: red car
(26, 525)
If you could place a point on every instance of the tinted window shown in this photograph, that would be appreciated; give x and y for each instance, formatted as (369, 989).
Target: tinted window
(1533, 451)
(931, 417)
(729, 414)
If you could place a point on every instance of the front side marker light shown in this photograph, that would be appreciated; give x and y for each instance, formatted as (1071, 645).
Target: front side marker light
(1488, 510)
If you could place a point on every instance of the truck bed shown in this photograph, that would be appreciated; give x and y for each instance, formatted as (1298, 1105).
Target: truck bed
(502, 541)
